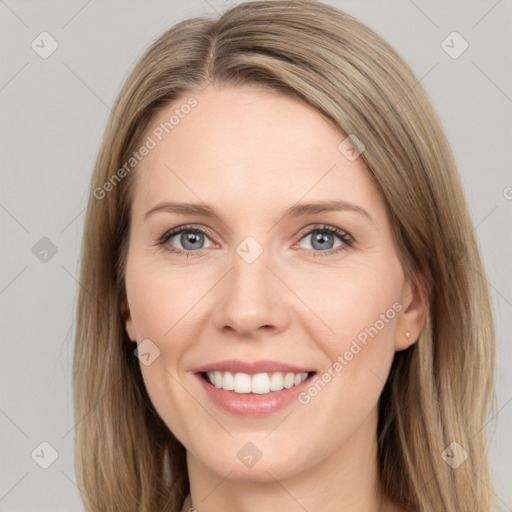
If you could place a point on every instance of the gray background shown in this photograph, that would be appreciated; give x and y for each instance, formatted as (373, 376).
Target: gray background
(53, 113)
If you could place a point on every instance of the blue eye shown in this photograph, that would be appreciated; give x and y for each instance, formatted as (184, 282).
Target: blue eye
(192, 240)
(322, 237)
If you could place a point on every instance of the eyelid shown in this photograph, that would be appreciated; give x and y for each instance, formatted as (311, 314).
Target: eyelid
(168, 234)
(324, 227)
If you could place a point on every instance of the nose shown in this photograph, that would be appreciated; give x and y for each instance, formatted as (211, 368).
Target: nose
(251, 299)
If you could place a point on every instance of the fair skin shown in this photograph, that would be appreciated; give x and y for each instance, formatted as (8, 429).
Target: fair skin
(251, 154)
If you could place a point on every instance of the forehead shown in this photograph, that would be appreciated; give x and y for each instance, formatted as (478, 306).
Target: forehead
(248, 148)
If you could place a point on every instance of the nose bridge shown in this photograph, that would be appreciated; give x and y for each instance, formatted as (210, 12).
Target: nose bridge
(250, 295)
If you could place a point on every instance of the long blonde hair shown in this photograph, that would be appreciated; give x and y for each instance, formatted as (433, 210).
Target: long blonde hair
(439, 391)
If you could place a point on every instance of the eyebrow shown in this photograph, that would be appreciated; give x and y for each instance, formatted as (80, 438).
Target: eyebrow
(297, 210)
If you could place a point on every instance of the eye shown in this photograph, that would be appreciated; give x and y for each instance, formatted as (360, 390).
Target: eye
(323, 237)
(190, 238)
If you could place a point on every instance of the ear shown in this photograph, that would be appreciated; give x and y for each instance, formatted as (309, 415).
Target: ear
(127, 319)
(415, 305)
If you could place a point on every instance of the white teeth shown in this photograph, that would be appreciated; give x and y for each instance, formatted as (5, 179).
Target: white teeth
(242, 383)
(276, 382)
(288, 380)
(259, 383)
(228, 382)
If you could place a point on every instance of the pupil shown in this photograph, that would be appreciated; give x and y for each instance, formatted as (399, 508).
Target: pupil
(322, 239)
(190, 239)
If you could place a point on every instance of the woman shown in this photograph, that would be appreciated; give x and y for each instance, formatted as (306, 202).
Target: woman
(220, 363)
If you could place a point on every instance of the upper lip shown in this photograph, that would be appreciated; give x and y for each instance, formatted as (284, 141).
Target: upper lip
(251, 367)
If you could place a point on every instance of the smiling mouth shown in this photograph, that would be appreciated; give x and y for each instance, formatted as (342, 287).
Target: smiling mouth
(259, 383)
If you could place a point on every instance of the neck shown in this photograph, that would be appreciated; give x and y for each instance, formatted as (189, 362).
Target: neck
(345, 479)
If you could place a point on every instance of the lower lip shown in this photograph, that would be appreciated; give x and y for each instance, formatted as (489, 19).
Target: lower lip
(253, 404)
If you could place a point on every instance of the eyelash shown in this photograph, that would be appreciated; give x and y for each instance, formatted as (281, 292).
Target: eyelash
(348, 240)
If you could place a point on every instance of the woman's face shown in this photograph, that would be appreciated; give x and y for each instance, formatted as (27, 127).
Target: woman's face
(262, 285)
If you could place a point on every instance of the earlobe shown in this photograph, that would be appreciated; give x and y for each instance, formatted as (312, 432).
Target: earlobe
(413, 316)
(127, 319)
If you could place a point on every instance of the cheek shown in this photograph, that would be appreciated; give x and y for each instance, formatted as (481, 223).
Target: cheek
(161, 299)
(358, 311)
(356, 300)
(164, 309)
